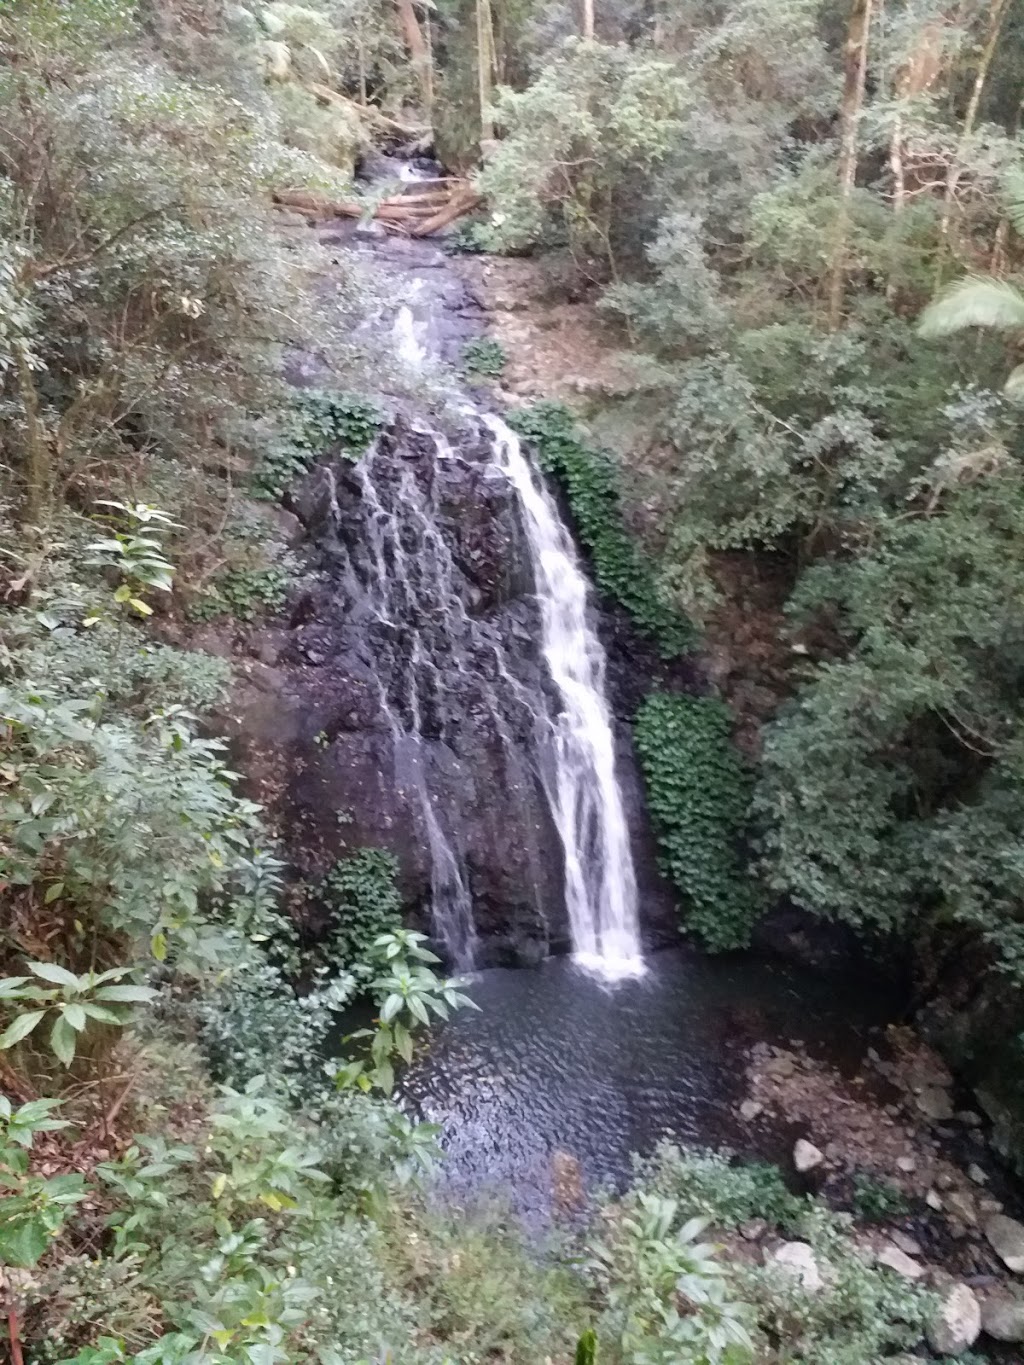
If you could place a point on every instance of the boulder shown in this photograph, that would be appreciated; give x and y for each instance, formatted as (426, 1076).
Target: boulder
(1006, 1238)
(956, 1323)
(797, 1259)
(806, 1156)
(1002, 1317)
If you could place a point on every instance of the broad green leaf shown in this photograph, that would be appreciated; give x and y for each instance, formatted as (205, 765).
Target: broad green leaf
(20, 1028)
(59, 976)
(62, 1041)
(75, 1015)
(54, 892)
(139, 995)
(23, 1242)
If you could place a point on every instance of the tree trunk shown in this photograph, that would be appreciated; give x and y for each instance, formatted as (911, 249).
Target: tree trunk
(37, 454)
(588, 19)
(417, 45)
(996, 15)
(856, 65)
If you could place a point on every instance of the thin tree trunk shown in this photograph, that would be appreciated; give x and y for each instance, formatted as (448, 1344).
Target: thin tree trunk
(37, 458)
(588, 19)
(856, 65)
(485, 65)
(995, 24)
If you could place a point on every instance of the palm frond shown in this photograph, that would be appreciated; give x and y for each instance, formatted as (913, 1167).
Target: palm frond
(1013, 198)
(974, 302)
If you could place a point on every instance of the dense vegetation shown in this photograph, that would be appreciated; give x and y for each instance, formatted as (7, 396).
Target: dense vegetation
(804, 218)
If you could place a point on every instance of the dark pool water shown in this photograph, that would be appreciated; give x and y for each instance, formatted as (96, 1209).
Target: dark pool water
(558, 1061)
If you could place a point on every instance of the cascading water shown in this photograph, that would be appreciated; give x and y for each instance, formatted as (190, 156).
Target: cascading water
(463, 605)
(600, 884)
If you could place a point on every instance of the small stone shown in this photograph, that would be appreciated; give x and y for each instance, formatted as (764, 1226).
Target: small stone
(934, 1103)
(945, 1181)
(750, 1109)
(754, 1230)
(960, 1203)
(933, 1201)
(899, 1261)
(968, 1118)
(976, 1174)
(956, 1324)
(990, 1206)
(905, 1242)
(907, 1164)
(1002, 1317)
(797, 1259)
(1006, 1238)
(806, 1157)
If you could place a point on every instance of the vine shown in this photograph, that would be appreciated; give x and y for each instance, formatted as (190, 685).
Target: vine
(361, 891)
(699, 796)
(316, 423)
(590, 480)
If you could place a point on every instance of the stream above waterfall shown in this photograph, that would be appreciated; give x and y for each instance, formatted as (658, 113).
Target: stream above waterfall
(557, 1062)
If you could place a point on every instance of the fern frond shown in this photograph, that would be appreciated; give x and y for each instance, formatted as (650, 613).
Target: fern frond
(974, 302)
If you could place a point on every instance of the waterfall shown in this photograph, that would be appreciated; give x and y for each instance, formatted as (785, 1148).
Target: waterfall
(583, 790)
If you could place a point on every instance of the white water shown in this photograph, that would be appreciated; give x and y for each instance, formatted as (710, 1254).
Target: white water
(586, 802)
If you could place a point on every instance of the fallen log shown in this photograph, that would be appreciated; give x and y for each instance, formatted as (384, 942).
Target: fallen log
(420, 215)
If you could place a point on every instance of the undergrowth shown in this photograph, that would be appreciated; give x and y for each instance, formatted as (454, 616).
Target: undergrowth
(318, 423)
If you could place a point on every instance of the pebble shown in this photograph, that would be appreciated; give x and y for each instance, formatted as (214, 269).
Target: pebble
(976, 1174)
(905, 1242)
(906, 1164)
(750, 1109)
(933, 1201)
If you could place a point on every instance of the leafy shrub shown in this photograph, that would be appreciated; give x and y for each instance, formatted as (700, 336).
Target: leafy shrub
(484, 356)
(728, 1193)
(877, 1200)
(317, 423)
(361, 893)
(591, 485)
(244, 594)
(699, 797)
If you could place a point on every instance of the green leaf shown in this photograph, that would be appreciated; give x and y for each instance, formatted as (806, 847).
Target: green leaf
(62, 1041)
(158, 946)
(22, 1243)
(75, 1015)
(20, 1028)
(105, 1016)
(54, 892)
(59, 976)
(139, 995)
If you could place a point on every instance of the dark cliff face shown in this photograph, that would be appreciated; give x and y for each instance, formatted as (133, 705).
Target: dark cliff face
(406, 700)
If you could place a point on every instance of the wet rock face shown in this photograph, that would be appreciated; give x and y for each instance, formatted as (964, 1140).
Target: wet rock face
(407, 704)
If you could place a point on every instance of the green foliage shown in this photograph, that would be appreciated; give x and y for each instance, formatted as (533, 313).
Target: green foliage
(243, 594)
(484, 356)
(138, 560)
(877, 1200)
(591, 484)
(361, 894)
(667, 1294)
(586, 1348)
(699, 798)
(596, 116)
(69, 1005)
(317, 424)
(407, 992)
(727, 1192)
(33, 1209)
